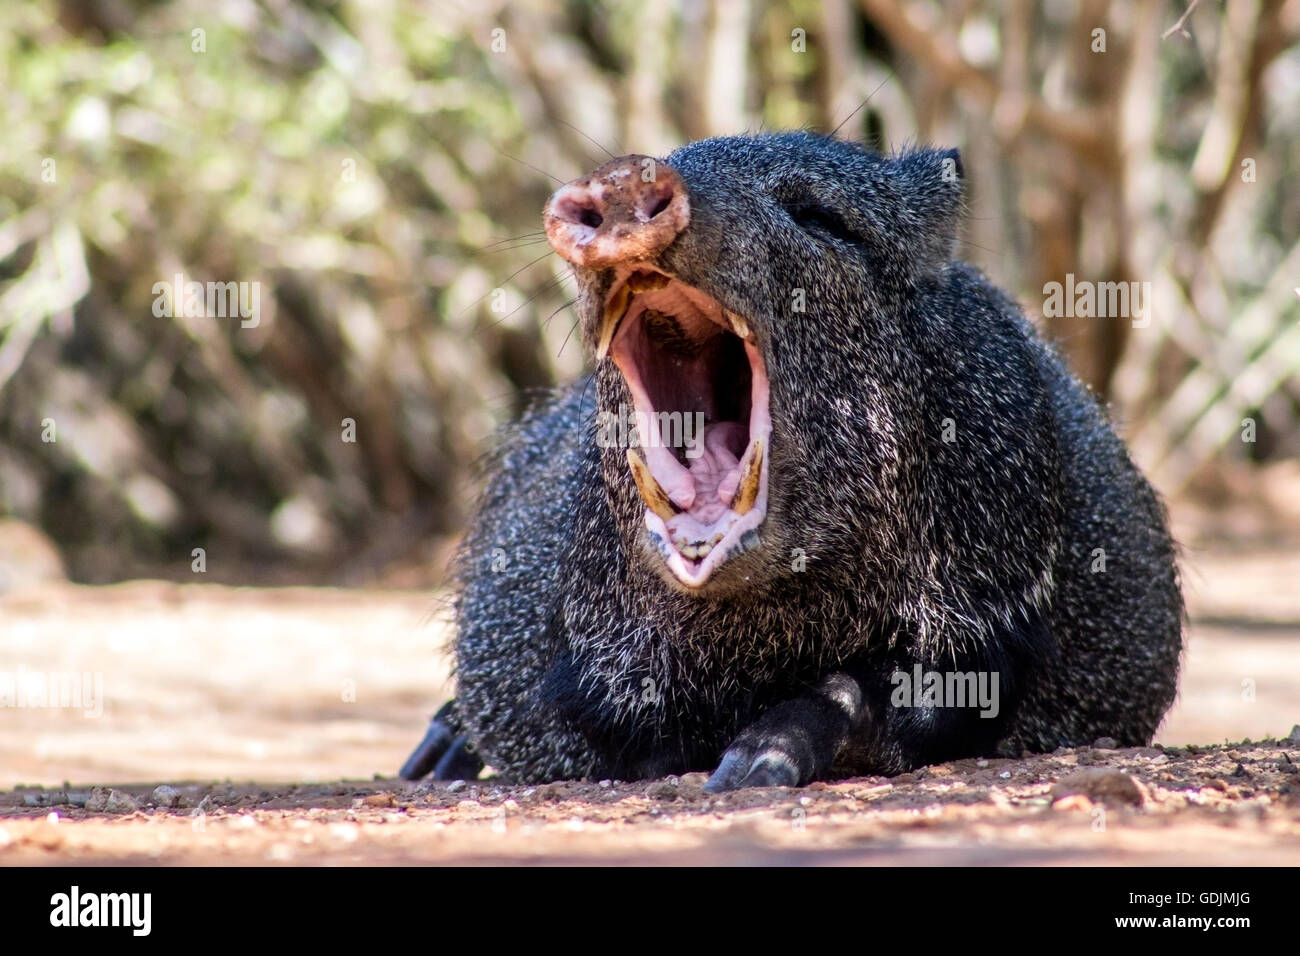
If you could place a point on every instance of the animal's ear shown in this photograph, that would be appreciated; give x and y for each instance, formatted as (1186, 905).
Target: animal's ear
(933, 171)
(931, 183)
(952, 168)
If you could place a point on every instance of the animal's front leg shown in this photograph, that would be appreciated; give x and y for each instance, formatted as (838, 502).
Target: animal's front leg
(795, 742)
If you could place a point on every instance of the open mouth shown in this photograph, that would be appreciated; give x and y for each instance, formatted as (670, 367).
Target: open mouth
(700, 393)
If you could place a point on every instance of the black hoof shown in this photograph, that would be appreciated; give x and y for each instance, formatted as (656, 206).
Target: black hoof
(745, 765)
(438, 741)
(459, 762)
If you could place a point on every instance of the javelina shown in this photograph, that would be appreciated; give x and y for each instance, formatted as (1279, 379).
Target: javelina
(894, 481)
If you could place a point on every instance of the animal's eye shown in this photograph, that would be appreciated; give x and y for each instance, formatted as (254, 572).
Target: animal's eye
(816, 218)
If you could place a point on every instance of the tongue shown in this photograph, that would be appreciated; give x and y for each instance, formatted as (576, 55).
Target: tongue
(716, 474)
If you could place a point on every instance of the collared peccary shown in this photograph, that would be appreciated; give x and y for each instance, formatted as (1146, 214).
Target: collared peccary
(863, 518)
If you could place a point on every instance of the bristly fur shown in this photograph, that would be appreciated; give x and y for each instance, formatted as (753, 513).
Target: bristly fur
(575, 658)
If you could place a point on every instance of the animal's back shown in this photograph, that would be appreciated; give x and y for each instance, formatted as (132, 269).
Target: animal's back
(1119, 613)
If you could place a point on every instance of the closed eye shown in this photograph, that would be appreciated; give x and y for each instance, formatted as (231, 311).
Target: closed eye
(820, 220)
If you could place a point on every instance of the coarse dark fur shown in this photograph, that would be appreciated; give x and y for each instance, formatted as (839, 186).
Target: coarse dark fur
(942, 492)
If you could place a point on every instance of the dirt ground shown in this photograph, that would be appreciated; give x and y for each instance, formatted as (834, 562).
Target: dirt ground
(234, 697)
(1221, 805)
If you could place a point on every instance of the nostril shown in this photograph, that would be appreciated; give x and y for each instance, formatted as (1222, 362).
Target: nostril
(655, 200)
(581, 209)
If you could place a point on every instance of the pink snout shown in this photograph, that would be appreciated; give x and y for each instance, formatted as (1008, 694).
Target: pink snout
(628, 210)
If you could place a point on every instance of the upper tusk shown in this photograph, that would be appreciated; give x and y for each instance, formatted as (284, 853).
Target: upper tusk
(615, 309)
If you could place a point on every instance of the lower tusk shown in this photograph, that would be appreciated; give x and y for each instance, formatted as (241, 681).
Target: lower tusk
(652, 492)
(747, 494)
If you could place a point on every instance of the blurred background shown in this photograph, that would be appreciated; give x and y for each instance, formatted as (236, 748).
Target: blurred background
(371, 173)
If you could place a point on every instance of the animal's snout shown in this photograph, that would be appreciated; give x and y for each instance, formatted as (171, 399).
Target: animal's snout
(628, 210)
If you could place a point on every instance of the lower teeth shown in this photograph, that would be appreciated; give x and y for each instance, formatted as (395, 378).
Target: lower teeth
(697, 551)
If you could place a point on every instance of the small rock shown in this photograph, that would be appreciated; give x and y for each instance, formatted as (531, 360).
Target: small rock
(165, 796)
(119, 801)
(606, 784)
(1240, 770)
(379, 800)
(1101, 785)
(455, 785)
(1105, 743)
(662, 791)
(1218, 783)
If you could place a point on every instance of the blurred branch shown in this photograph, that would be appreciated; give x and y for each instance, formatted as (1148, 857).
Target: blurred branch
(1250, 39)
(56, 281)
(1178, 24)
(1210, 401)
(1084, 131)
